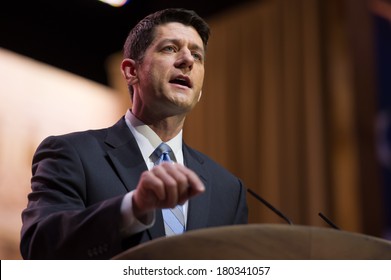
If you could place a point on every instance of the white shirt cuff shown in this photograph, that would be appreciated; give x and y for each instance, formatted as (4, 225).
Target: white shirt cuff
(130, 224)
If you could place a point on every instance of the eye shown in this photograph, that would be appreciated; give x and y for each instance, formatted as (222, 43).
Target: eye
(169, 49)
(197, 56)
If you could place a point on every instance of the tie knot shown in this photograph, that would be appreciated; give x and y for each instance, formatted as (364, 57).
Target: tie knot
(163, 153)
(164, 148)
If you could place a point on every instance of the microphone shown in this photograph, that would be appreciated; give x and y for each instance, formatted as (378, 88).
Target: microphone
(271, 207)
(327, 220)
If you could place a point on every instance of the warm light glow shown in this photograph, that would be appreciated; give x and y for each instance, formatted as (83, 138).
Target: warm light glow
(115, 3)
(49, 101)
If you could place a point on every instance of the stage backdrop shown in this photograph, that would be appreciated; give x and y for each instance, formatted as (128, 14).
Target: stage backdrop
(290, 106)
(36, 101)
(382, 18)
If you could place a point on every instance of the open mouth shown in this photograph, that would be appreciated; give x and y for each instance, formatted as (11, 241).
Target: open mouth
(182, 80)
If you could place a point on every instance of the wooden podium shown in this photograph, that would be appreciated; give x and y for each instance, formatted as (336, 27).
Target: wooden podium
(262, 242)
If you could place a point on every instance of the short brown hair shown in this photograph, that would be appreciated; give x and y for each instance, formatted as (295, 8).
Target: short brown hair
(141, 36)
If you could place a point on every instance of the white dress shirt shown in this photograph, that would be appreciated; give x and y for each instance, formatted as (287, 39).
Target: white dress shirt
(147, 141)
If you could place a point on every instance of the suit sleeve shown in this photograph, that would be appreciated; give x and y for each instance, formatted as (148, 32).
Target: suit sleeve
(58, 223)
(241, 209)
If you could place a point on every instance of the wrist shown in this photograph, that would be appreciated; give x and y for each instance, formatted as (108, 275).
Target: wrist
(139, 213)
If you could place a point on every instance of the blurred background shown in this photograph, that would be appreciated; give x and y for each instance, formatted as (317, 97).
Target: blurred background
(296, 100)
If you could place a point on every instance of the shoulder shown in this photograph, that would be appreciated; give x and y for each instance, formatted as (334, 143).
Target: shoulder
(84, 137)
(210, 164)
(76, 139)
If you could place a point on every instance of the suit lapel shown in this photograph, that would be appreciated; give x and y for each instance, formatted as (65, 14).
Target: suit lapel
(129, 164)
(125, 155)
(199, 205)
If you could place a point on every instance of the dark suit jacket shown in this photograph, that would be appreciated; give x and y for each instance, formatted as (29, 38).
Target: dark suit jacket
(79, 181)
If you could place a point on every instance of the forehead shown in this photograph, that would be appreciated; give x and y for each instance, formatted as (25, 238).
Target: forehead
(177, 31)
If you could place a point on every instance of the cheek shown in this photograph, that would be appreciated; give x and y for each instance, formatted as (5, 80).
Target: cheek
(151, 78)
(198, 81)
(156, 74)
(198, 77)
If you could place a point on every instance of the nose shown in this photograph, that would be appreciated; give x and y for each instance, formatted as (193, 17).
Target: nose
(185, 59)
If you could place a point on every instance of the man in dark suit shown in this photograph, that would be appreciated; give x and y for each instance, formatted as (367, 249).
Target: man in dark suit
(96, 193)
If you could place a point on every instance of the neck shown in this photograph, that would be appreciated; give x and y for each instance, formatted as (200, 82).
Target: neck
(165, 127)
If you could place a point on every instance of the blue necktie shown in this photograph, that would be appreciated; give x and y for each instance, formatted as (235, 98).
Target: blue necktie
(174, 220)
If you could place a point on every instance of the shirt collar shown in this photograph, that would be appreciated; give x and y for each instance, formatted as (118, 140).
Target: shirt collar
(148, 140)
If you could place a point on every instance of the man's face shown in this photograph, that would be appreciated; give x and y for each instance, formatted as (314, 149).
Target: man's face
(171, 74)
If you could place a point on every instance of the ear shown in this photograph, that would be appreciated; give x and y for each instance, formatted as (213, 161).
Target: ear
(199, 96)
(128, 70)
